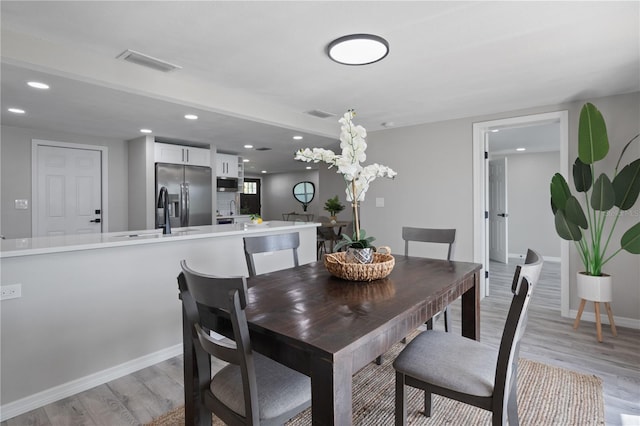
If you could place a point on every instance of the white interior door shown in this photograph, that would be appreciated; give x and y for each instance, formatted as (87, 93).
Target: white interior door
(68, 191)
(498, 216)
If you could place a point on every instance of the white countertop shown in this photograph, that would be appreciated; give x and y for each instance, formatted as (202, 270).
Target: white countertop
(44, 245)
(231, 216)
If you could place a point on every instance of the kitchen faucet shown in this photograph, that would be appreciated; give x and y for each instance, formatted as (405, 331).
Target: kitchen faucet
(232, 209)
(163, 202)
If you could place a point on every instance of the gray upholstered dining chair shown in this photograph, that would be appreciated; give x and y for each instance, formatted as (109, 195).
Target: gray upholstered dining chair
(252, 389)
(431, 235)
(270, 243)
(467, 370)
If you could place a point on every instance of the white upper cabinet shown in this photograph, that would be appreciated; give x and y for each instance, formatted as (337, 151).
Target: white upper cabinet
(179, 154)
(227, 165)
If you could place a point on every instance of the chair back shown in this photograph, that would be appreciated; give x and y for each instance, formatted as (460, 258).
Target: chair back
(428, 235)
(270, 243)
(524, 280)
(199, 294)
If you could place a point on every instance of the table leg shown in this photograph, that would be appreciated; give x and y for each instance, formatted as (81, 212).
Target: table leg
(331, 391)
(471, 310)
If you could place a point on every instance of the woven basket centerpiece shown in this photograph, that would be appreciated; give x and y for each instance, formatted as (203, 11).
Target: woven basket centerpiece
(381, 267)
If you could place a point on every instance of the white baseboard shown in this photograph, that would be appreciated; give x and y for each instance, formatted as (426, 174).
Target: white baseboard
(20, 406)
(604, 319)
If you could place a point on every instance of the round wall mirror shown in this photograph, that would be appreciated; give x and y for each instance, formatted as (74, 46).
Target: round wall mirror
(304, 193)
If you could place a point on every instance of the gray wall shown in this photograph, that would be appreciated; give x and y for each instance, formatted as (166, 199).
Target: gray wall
(277, 194)
(434, 186)
(15, 174)
(530, 221)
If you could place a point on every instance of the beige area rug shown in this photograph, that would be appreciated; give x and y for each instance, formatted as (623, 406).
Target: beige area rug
(546, 396)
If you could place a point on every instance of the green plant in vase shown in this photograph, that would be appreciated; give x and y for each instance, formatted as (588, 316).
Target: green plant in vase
(356, 177)
(590, 223)
(333, 206)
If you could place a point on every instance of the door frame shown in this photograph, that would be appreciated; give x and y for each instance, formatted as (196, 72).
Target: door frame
(480, 191)
(104, 157)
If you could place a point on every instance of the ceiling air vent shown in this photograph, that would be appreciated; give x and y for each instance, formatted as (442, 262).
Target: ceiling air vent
(321, 114)
(147, 61)
(263, 149)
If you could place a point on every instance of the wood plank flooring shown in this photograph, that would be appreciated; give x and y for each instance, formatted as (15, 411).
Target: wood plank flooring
(139, 397)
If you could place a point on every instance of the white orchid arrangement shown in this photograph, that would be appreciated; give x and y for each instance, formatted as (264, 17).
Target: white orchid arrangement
(357, 177)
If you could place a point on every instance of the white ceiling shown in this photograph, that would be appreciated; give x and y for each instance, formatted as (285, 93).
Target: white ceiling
(251, 70)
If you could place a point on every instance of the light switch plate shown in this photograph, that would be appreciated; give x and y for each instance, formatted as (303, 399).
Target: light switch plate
(22, 204)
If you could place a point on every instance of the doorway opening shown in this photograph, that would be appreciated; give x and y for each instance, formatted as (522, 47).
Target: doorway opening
(251, 196)
(483, 150)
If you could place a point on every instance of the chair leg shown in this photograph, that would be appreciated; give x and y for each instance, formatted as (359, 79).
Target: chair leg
(404, 340)
(447, 319)
(379, 360)
(427, 403)
(401, 397)
(429, 324)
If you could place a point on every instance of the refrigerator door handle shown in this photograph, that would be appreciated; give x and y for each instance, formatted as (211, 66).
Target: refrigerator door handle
(187, 202)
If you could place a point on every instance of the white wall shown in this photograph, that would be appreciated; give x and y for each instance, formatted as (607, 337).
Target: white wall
(15, 173)
(530, 221)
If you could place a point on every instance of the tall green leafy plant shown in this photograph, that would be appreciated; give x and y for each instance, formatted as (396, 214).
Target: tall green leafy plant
(590, 222)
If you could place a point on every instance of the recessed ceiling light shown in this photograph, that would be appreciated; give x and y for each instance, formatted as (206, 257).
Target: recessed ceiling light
(38, 85)
(358, 49)
(297, 137)
(145, 130)
(248, 146)
(308, 167)
(521, 149)
(16, 110)
(245, 160)
(495, 130)
(191, 117)
(264, 171)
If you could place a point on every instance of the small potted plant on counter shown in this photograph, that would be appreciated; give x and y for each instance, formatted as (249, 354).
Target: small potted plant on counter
(333, 206)
(255, 219)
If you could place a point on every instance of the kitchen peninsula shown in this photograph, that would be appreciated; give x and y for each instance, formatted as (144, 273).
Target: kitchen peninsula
(100, 306)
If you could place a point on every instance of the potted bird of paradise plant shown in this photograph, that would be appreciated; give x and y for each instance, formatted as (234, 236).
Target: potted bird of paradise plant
(589, 219)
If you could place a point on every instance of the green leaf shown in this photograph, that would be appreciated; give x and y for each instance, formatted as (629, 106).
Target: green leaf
(631, 239)
(593, 143)
(566, 229)
(603, 197)
(574, 213)
(582, 177)
(626, 185)
(560, 192)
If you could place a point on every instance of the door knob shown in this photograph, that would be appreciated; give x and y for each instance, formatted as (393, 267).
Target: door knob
(503, 214)
(95, 220)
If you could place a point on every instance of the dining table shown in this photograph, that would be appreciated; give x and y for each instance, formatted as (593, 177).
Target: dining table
(328, 328)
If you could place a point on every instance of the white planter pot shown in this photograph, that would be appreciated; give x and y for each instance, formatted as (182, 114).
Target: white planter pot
(597, 289)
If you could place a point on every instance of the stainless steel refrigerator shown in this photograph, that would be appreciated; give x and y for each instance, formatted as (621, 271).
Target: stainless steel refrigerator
(190, 195)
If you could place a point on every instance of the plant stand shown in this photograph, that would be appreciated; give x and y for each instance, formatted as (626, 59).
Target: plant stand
(596, 289)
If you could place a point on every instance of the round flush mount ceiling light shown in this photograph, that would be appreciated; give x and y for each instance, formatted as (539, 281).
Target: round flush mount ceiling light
(145, 131)
(191, 116)
(16, 110)
(358, 49)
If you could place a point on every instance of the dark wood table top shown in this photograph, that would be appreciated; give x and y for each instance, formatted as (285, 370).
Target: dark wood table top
(328, 314)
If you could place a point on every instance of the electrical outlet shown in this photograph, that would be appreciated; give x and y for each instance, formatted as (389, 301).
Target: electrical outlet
(10, 291)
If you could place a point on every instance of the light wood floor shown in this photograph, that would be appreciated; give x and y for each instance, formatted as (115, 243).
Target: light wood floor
(148, 393)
